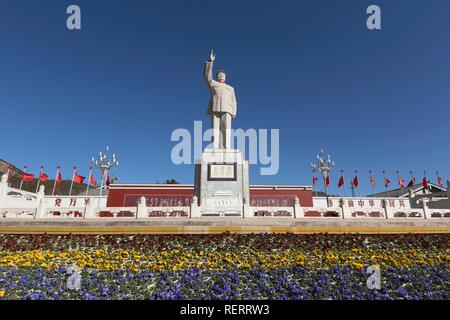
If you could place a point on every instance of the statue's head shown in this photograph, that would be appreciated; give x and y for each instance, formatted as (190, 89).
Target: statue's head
(221, 76)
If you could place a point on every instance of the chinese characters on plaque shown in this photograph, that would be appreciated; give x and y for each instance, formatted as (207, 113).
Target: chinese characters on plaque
(221, 171)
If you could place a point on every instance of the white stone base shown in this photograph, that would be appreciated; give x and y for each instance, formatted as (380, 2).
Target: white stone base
(222, 183)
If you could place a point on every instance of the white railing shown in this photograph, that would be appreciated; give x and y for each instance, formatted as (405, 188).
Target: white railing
(409, 213)
(273, 212)
(322, 212)
(63, 212)
(358, 213)
(141, 211)
(169, 212)
(17, 213)
(114, 212)
(439, 213)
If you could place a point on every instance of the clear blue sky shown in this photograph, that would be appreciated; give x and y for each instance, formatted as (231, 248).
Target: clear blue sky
(373, 99)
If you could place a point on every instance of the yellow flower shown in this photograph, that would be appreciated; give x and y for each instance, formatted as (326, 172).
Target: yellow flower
(2, 293)
(357, 265)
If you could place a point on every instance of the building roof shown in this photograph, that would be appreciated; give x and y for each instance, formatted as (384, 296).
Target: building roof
(417, 189)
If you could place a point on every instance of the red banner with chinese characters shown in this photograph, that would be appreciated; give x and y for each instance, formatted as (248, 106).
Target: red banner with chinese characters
(131, 200)
(272, 201)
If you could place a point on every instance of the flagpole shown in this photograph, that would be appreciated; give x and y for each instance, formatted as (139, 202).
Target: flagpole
(39, 179)
(314, 182)
(439, 182)
(352, 187)
(437, 177)
(359, 191)
(343, 178)
(425, 177)
(331, 185)
(385, 187)
(89, 180)
(21, 181)
(398, 180)
(413, 180)
(372, 183)
(71, 184)
(56, 178)
(313, 185)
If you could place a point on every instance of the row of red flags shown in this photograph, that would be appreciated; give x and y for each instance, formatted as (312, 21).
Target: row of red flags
(401, 181)
(76, 178)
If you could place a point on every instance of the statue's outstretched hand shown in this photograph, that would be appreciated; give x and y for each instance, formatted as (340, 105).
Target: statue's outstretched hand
(212, 56)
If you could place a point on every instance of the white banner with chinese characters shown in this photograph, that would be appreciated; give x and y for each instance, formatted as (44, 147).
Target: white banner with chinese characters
(75, 201)
(362, 202)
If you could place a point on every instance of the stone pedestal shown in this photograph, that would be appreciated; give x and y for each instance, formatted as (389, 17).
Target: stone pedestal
(40, 210)
(426, 211)
(221, 182)
(195, 209)
(141, 211)
(89, 210)
(298, 210)
(345, 209)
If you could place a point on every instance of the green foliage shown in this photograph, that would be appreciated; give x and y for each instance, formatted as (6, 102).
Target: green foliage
(171, 181)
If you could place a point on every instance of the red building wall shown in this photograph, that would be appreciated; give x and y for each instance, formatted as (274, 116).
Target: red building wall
(284, 193)
(172, 195)
(123, 195)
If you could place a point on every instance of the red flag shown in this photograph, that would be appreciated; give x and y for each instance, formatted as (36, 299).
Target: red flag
(440, 182)
(401, 182)
(58, 178)
(43, 177)
(107, 180)
(92, 180)
(327, 181)
(425, 182)
(372, 181)
(386, 182)
(314, 180)
(412, 182)
(341, 181)
(355, 181)
(78, 179)
(27, 177)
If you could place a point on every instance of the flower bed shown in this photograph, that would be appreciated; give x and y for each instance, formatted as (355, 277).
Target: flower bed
(225, 266)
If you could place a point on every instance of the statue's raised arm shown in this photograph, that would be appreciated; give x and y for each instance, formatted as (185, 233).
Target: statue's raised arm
(208, 67)
(212, 56)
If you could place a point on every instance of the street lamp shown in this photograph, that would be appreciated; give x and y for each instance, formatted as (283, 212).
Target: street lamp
(104, 163)
(324, 165)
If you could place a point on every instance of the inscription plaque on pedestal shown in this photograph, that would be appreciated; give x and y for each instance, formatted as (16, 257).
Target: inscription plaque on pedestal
(221, 172)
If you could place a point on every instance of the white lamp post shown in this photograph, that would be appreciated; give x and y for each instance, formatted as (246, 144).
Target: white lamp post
(104, 163)
(324, 166)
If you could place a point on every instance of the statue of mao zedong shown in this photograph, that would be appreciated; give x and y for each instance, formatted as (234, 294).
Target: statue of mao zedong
(222, 105)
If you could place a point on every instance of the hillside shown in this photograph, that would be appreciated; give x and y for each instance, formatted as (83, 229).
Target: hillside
(16, 176)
